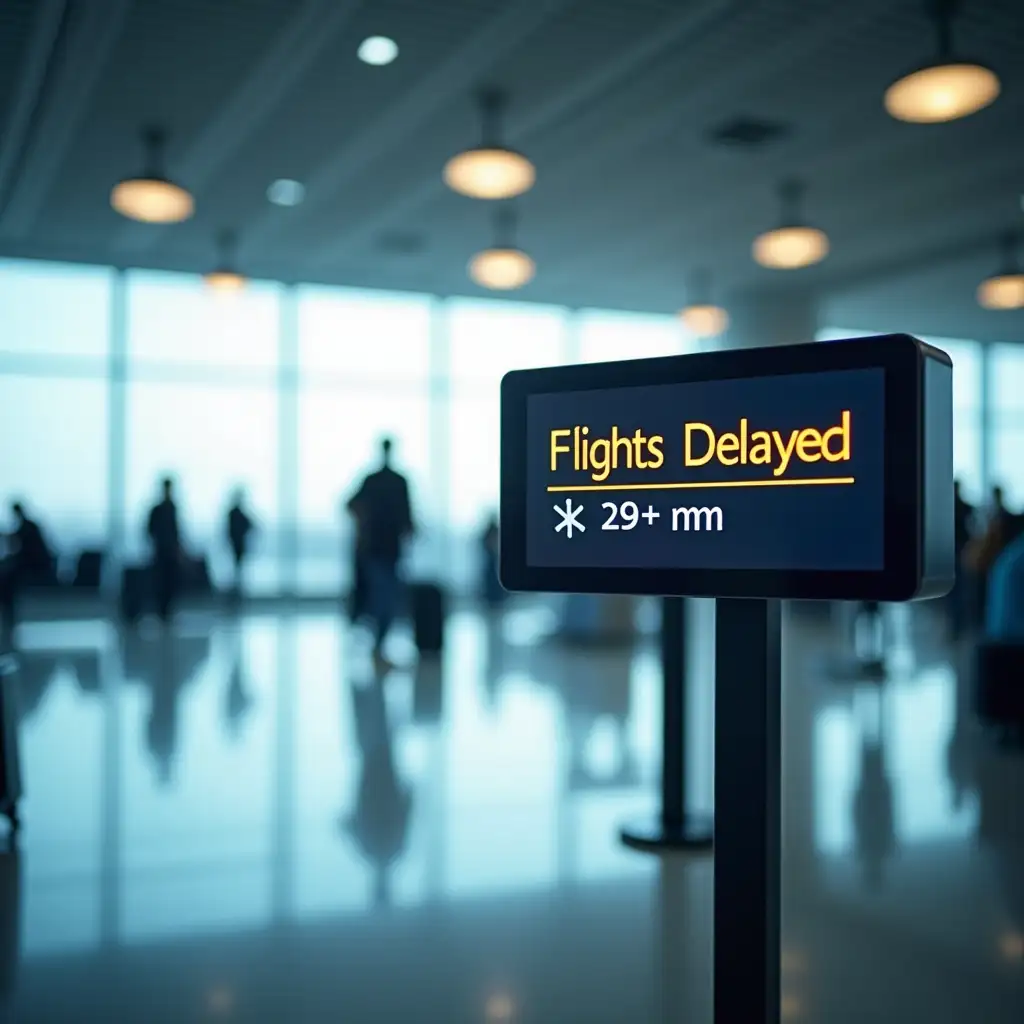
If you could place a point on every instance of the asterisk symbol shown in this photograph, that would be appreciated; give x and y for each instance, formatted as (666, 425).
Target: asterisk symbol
(569, 518)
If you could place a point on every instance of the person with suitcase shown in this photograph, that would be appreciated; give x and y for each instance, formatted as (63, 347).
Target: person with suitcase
(383, 514)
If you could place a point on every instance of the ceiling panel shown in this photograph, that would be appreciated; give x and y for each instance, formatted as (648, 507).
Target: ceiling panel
(615, 100)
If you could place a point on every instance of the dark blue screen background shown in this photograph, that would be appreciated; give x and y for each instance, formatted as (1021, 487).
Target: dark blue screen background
(831, 528)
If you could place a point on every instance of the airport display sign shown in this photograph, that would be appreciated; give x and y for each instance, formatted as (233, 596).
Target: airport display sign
(804, 471)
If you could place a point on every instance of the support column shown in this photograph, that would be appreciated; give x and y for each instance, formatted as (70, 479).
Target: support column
(439, 399)
(781, 315)
(117, 383)
(288, 443)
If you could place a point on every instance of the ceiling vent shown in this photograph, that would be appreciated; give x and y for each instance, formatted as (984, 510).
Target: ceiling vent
(748, 133)
(401, 243)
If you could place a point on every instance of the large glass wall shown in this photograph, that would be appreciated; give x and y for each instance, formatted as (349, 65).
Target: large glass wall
(201, 406)
(55, 332)
(485, 340)
(110, 382)
(968, 454)
(364, 371)
(1006, 369)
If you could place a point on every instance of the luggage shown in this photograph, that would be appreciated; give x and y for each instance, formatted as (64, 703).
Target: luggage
(88, 571)
(10, 757)
(135, 592)
(428, 614)
(195, 577)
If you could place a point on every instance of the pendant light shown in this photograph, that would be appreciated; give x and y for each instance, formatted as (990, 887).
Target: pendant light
(151, 197)
(1005, 289)
(947, 89)
(792, 244)
(225, 278)
(701, 317)
(504, 266)
(491, 170)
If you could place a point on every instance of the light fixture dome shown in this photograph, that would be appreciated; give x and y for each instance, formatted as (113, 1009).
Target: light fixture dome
(705, 320)
(151, 197)
(702, 317)
(946, 89)
(490, 170)
(152, 201)
(502, 269)
(226, 281)
(942, 92)
(503, 266)
(1004, 290)
(790, 248)
(792, 244)
(225, 278)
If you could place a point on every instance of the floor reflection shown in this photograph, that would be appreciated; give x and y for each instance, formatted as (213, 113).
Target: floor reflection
(242, 799)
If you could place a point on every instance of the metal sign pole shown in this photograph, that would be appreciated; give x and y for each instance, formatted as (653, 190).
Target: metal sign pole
(748, 819)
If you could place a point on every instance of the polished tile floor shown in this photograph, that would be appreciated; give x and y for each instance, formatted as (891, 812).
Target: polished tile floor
(236, 821)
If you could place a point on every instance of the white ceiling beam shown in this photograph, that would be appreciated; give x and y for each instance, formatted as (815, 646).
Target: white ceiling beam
(93, 30)
(315, 27)
(27, 92)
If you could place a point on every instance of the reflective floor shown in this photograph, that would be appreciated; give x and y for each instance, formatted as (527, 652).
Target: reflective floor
(237, 821)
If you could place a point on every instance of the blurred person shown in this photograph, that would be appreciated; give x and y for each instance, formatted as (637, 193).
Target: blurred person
(491, 589)
(1004, 620)
(165, 538)
(383, 516)
(964, 517)
(29, 560)
(985, 547)
(240, 528)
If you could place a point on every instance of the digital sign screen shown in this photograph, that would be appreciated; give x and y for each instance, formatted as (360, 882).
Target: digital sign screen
(798, 471)
(775, 473)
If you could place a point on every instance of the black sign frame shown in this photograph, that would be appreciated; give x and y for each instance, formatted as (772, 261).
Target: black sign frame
(907, 474)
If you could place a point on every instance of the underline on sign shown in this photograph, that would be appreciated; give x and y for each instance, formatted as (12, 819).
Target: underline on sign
(694, 485)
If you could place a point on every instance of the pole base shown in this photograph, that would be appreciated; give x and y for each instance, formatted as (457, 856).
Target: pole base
(695, 833)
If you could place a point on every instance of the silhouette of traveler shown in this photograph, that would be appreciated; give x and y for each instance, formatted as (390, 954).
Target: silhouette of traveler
(29, 561)
(1005, 606)
(960, 597)
(165, 537)
(987, 546)
(383, 516)
(492, 591)
(240, 527)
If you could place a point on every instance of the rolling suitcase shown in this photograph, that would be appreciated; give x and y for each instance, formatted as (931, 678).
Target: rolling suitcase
(135, 593)
(428, 612)
(88, 571)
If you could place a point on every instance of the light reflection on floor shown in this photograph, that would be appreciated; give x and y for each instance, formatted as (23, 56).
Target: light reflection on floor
(247, 777)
